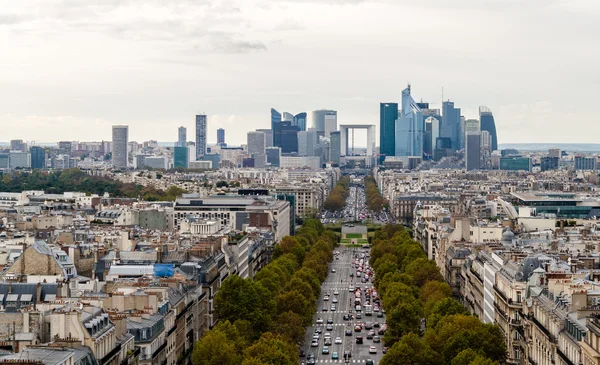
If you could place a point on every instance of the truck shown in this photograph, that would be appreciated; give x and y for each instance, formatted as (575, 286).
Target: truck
(368, 310)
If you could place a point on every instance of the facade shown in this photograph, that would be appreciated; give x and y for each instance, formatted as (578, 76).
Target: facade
(156, 162)
(18, 145)
(515, 163)
(181, 137)
(335, 147)
(371, 136)
(298, 162)
(285, 135)
(38, 157)
(268, 136)
(120, 138)
(451, 127)
(388, 114)
(548, 163)
(318, 119)
(220, 136)
(180, 157)
(307, 142)
(486, 120)
(473, 150)
(273, 156)
(256, 142)
(19, 159)
(409, 128)
(309, 198)
(299, 120)
(275, 119)
(201, 125)
(585, 163)
(330, 124)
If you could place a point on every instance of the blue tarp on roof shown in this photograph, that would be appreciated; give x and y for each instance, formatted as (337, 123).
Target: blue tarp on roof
(164, 270)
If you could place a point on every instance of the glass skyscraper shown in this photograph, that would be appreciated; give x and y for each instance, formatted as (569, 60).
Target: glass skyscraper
(275, 118)
(300, 121)
(38, 157)
(220, 136)
(451, 127)
(388, 113)
(487, 123)
(409, 128)
(335, 147)
(180, 157)
(200, 136)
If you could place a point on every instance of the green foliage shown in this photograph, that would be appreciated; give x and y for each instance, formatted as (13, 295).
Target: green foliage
(222, 345)
(375, 201)
(271, 349)
(411, 350)
(336, 200)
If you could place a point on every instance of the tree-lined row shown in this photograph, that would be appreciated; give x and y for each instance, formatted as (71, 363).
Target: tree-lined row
(375, 201)
(412, 288)
(262, 321)
(336, 200)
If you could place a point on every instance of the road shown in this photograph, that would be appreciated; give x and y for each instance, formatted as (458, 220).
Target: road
(341, 281)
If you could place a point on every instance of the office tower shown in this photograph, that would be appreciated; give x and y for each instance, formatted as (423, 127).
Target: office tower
(473, 150)
(17, 145)
(256, 143)
(273, 156)
(307, 142)
(461, 133)
(214, 160)
(38, 157)
(549, 163)
(585, 163)
(19, 159)
(487, 123)
(65, 146)
(120, 138)
(200, 136)
(330, 124)
(299, 121)
(555, 152)
(318, 120)
(220, 136)
(409, 128)
(275, 118)
(285, 135)
(335, 147)
(433, 124)
(268, 136)
(427, 141)
(260, 160)
(181, 137)
(388, 113)
(451, 127)
(180, 157)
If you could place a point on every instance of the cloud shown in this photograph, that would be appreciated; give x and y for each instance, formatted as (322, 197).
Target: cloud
(10, 19)
(229, 44)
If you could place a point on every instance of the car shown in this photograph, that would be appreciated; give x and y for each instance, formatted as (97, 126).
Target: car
(327, 334)
(333, 270)
(335, 356)
(325, 350)
(376, 324)
(316, 337)
(357, 328)
(372, 350)
(338, 340)
(314, 343)
(329, 327)
(379, 314)
(325, 298)
(368, 326)
(358, 315)
(319, 320)
(376, 339)
(319, 330)
(310, 361)
(359, 340)
(327, 341)
(333, 308)
(335, 300)
(369, 362)
(347, 354)
(325, 309)
(370, 334)
(348, 332)
(336, 293)
(329, 320)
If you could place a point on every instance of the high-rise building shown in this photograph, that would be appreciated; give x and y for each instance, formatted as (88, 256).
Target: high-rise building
(273, 156)
(285, 135)
(256, 143)
(38, 157)
(275, 119)
(486, 119)
(17, 145)
(549, 163)
(318, 120)
(472, 150)
(388, 113)
(555, 152)
(181, 137)
(180, 157)
(299, 121)
(19, 159)
(585, 163)
(268, 136)
(515, 163)
(65, 146)
(472, 125)
(335, 147)
(451, 126)
(120, 138)
(409, 128)
(200, 136)
(220, 136)
(307, 142)
(330, 124)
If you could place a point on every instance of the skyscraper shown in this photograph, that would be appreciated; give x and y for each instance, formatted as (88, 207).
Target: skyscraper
(486, 120)
(38, 157)
(307, 142)
(268, 136)
(330, 124)
(180, 157)
(335, 143)
(120, 138)
(275, 118)
(409, 128)
(318, 120)
(388, 113)
(182, 137)
(300, 121)
(473, 150)
(220, 136)
(17, 145)
(451, 127)
(200, 136)
(285, 135)
(256, 143)
(471, 125)
(273, 156)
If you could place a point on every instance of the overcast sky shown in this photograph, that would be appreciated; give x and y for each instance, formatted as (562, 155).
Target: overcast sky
(69, 70)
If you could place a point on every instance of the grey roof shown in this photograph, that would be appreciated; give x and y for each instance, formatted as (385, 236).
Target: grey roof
(26, 336)
(48, 356)
(131, 270)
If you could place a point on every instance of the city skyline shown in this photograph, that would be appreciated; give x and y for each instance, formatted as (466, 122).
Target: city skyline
(126, 56)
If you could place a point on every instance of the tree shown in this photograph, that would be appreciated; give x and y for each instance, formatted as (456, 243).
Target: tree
(411, 350)
(295, 302)
(272, 349)
(401, 320)
(444, 307)
(432, 293)
(290, 325)
(216, 348)
(472, 357)
(423, 270)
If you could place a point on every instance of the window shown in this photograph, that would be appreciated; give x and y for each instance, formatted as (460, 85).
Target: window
(518, 297)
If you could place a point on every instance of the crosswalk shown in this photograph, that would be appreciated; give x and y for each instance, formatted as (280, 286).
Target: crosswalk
(353, 361)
